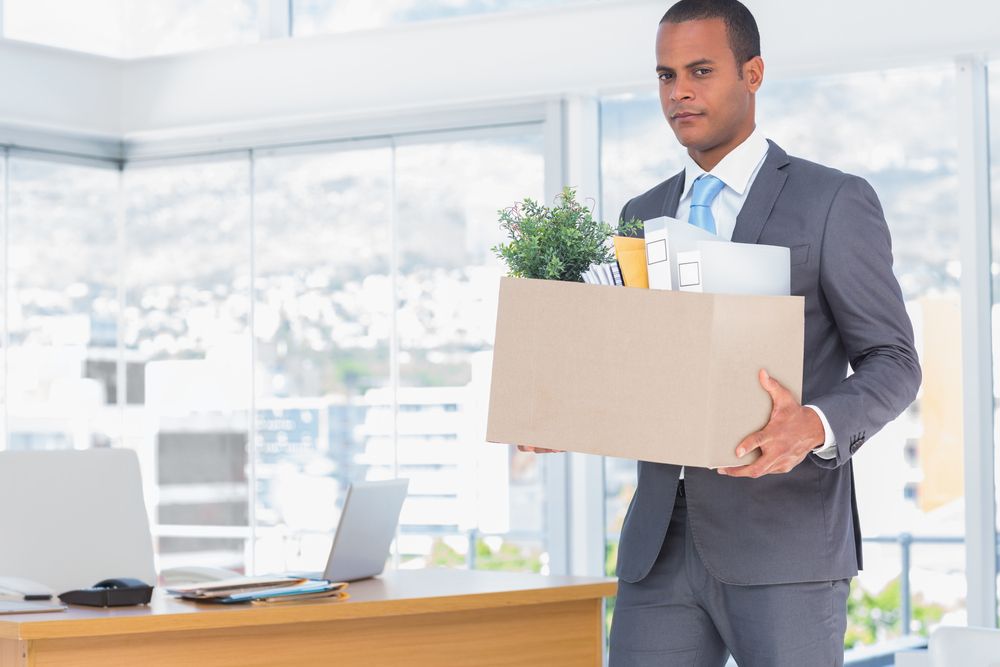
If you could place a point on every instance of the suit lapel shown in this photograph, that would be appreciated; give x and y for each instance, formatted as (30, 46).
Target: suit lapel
(672, 196)
(763, 193)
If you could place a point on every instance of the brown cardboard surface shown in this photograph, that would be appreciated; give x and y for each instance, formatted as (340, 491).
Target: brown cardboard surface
(652, 375)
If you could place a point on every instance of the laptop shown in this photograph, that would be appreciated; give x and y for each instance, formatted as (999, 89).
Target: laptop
(367, 525)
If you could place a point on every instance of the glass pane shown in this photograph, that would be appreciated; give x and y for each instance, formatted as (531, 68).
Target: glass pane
(3, 309)
(94, 26)
(157, 27)
(994, 120)
(311, 17)
(132, 28)
(909, 479)
(187, 337)
(175, 551)
(638, 150)
(471, 504)
(63, 306)
(322, 326)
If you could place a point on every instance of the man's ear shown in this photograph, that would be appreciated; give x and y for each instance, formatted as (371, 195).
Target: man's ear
(753, 73)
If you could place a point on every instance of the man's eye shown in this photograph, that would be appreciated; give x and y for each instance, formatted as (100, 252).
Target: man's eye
(664, 76)
(702, 71)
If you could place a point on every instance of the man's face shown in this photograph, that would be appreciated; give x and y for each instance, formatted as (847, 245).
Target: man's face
(704, 99)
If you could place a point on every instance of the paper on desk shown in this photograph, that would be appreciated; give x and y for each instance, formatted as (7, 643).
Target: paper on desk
(307, 590)
(300, 598)
(234, 584)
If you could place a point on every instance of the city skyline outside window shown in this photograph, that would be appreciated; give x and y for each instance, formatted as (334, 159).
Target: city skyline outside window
(298, 245)
(909, 479)
(187, 326)
(62, 304)
(186, 272)
(487, 500)
(323, 313)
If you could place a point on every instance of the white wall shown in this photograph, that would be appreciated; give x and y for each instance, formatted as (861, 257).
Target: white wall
(483, 60)
(42, 88)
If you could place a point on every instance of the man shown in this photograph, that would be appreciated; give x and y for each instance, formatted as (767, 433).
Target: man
(757, 560)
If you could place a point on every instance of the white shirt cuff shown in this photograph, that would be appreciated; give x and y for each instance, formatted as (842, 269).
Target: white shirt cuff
(828, 450)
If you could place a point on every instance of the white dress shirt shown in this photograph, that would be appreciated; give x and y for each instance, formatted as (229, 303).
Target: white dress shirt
(738, 170)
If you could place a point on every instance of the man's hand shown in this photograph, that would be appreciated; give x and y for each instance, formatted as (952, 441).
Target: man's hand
(791, 433)
(538, 450)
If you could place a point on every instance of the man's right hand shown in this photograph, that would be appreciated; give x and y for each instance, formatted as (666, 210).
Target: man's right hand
(538, 450)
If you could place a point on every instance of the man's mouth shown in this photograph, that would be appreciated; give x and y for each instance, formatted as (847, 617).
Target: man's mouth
(681, 115)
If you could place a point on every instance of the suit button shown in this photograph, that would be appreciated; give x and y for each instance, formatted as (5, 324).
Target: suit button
(855, 446)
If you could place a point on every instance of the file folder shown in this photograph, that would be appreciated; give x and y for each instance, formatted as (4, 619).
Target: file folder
(631, 254)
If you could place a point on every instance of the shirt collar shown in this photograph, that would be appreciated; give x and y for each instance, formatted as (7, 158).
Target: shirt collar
(735, 169)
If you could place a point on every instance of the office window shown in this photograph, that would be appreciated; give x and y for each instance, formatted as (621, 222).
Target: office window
(62, 309)
(93, 27)
(913, 168)
(323, 317)
(3, 290)
(311, 17)
(471, 504)
(186, 324)
(638, 150)
(155, 27)
(994, 120)
(894, 128)
(132, 28)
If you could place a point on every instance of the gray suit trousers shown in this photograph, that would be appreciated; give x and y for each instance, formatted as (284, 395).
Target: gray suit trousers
(681, 616)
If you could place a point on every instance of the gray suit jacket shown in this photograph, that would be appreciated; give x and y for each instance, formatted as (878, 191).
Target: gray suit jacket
(803, 525)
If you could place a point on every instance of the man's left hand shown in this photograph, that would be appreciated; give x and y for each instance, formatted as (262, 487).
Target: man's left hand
(791, 433)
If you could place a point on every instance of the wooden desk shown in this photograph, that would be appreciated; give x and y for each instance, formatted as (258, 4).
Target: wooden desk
(408, 617)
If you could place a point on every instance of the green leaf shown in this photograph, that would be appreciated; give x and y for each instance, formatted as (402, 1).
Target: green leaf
(558, 242)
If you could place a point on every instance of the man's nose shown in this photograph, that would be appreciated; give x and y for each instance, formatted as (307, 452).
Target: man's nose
(681, 91)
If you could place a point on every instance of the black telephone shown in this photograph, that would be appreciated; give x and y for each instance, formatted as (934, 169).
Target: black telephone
(111, 593)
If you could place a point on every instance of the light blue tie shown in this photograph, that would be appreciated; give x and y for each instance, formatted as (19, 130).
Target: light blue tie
(705, 189)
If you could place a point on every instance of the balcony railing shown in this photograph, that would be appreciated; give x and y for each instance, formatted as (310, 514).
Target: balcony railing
(906, 542)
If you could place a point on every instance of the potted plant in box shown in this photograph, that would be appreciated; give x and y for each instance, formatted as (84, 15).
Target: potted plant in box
(558, 242)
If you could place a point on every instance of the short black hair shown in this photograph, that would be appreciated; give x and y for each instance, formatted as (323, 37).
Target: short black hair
(744, 38)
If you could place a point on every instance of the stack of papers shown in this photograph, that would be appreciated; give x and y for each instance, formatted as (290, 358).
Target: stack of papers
(603, 274)
(262, 590)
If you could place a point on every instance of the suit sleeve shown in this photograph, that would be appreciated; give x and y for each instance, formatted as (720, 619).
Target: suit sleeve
(866, 303)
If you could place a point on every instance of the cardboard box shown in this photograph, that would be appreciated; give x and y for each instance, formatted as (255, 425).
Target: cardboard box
(652, 375)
